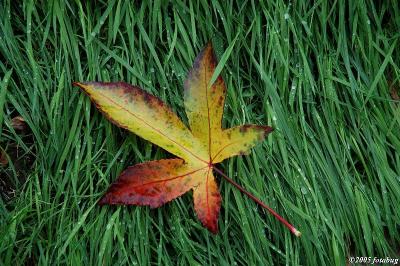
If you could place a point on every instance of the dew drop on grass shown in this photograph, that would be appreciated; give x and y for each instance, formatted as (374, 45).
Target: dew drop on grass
(93, 34)
(303, 190)
(286, 16)
(152, 70)
(299, 170)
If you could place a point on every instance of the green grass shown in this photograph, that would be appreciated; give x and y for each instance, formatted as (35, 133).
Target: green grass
(319, 72)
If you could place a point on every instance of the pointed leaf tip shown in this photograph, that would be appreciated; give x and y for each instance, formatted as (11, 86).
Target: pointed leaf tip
(102, 201)
(267, 130)
(81, 85)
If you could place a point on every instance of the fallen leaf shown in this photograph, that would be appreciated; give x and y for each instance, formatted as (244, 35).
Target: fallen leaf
(199, 148)
(3, 158)
(393, 93)
(18, 123)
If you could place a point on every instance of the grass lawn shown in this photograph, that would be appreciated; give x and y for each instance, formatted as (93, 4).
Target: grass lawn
(324, 74)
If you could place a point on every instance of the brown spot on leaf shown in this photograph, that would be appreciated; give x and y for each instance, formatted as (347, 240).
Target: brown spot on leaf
(220, 101)
(147, 98)
(243, 129)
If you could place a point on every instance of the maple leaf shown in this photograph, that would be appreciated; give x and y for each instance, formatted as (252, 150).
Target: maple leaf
(199, 148)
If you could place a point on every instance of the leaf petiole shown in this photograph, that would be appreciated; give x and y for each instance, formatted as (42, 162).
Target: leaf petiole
(282, 220)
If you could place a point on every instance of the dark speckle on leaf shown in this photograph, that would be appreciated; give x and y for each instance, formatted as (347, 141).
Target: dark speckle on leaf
(147, 98)
(243, 129)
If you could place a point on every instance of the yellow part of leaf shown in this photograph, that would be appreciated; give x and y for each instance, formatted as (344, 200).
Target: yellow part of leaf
(237, 141)
(147, 116)
(204, 105)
